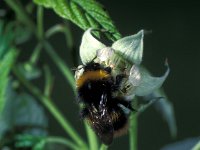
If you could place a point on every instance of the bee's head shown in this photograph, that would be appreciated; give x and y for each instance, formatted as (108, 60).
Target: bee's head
(92, 66)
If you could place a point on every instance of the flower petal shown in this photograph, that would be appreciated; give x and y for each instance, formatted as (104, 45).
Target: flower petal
(135, 76)
(105, 53)
(131, 47)
(89, 46)
(148, 83)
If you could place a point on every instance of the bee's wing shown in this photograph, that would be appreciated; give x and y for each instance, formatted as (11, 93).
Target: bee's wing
(102, 123)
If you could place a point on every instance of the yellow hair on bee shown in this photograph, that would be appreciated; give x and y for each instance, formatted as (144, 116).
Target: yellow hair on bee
(91, 75)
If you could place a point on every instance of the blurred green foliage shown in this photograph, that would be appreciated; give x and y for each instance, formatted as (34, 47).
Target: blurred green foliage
(7, 58)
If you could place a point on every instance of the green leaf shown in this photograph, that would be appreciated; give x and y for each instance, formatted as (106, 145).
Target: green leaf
(5, 67)
(22, 111)
(6, 38)
(83, 13)
(27, 140)
(7, 58)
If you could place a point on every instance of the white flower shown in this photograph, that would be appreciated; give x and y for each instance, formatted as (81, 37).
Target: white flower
(124, 57)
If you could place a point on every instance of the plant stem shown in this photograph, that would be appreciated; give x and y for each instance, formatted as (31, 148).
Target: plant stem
(103, 147)
(92, 138)
(48, 81)
(133, 131)
(60, 64)
(35, 54)
(48, 103)
(53, 30)
(63, 28)
(40, 31)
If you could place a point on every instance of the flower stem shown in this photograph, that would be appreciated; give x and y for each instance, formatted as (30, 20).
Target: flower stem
(92, 138)
(40, 30)
(103, 147)
(48, 103)
(133, 132)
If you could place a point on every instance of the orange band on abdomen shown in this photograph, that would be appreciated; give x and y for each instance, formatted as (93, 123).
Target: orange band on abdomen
(91, 75)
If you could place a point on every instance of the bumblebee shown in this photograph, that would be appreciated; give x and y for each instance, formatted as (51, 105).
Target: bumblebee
(102, 108)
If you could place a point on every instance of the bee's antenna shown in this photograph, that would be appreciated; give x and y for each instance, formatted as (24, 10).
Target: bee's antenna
(148, 32)
(74, 69)
(77, 68)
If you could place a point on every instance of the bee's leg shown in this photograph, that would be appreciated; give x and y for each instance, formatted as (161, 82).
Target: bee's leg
(126, 104)
(84, 113)
(119, 78)
(118, 81)
(108, 69)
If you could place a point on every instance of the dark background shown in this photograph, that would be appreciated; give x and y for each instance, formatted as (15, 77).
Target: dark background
(176, 36)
